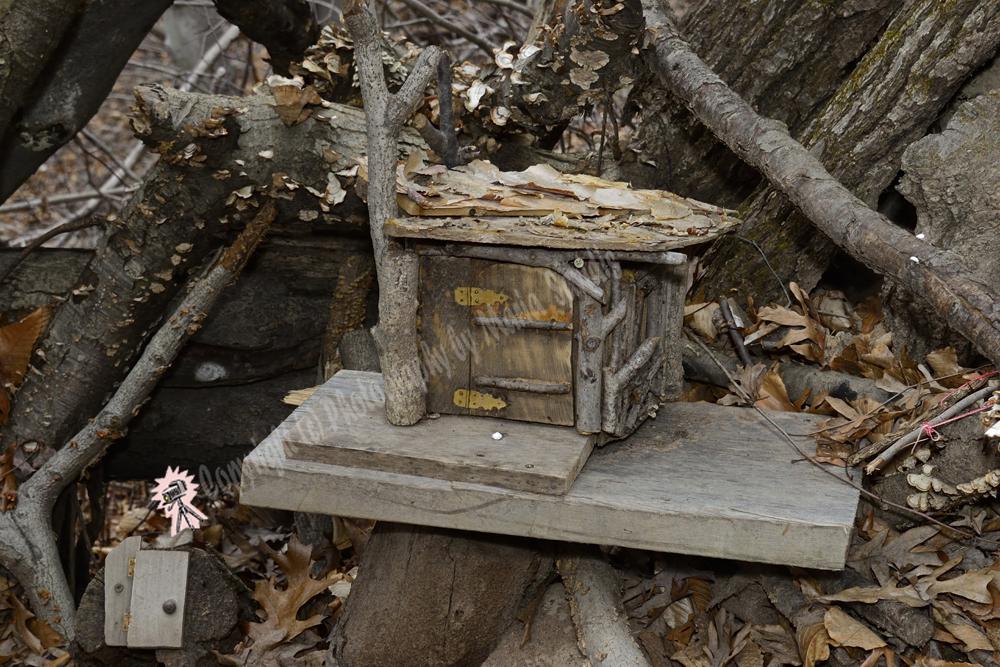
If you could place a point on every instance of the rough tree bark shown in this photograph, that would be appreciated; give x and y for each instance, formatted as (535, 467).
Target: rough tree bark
(27, 543)
(397, 270)
(937, 275)
(889, 101)
(785, 57)
(30, 31)
(73, 84)
(951, 179)
(52, 98)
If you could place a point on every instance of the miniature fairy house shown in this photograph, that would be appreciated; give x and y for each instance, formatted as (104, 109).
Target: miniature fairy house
(548, 297)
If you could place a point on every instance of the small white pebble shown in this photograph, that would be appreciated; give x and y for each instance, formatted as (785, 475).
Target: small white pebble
(915, 259)
(920, 236)
(498, 435)
(267, 155)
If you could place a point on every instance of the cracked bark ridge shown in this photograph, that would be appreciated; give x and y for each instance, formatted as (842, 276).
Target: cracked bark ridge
(397, 270)
(787, 58)
(894, 94)
(284, 27)
(935, 274)
(951, 180)
(27, 543)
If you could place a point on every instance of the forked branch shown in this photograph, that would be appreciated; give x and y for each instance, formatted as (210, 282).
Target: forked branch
(396, 332)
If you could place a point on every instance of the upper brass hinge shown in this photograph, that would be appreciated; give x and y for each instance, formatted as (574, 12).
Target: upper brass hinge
(474, 296)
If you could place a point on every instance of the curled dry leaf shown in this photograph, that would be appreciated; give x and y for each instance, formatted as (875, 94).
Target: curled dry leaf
(773, 395)
(847, 631)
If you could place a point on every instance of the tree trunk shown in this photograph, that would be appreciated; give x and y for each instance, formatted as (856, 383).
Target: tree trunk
(74, 84)
(30, 32)
(430, 597)
(785, 57)
(937, 275)
(889, 101)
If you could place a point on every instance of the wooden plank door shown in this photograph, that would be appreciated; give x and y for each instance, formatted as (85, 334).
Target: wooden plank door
(446, 344)
(522, 330)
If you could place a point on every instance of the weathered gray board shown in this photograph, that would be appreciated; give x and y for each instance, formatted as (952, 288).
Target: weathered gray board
(346, 425)
(698, 479)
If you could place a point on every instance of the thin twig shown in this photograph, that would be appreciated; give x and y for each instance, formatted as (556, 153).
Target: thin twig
(434, 17)
(510, 4)
(73, 226)
(66, 198)
(911, 437)
(94, 139)
(860, 489)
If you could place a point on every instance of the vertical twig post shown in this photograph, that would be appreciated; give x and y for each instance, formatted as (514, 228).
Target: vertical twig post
(396, 332)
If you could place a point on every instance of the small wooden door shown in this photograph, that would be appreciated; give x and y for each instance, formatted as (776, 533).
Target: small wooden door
(497, 340)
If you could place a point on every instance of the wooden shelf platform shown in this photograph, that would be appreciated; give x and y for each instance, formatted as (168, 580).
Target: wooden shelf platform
(699, 479)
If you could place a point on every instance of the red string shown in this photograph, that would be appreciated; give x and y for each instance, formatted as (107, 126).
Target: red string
(931, 430)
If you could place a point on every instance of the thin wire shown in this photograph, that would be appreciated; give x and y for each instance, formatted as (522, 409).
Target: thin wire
(863, 491)
(788, 297)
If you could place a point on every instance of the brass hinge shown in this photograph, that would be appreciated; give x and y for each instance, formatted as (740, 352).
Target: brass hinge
(476, 401)
(131, 567)
(128, 619)
(473, 296)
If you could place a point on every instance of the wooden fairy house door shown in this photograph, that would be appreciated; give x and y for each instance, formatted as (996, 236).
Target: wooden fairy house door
(497, 340)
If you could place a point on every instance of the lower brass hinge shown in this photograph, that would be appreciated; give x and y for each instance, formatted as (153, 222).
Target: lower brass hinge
(128, 619)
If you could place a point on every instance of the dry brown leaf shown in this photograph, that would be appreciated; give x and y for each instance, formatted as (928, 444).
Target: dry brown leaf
(955, 622)
(21, 618)
(924, 661)
(883, 652)
(282, 606)
(847, 631)
(8, 482)
(48, 636)
(944, 362)
(17, 341)
(814, 644)
(778, 641)
(881, 555)
(700, 316)
(773, 395)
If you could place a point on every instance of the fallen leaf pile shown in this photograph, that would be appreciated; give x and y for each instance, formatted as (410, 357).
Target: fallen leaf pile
(940, 580)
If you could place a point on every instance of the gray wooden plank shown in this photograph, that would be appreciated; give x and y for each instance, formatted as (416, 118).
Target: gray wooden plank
(351, 429)
(118, 590)
(160, 578)
(698, 479)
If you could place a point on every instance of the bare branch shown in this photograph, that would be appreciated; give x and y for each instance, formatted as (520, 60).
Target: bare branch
(433, 16)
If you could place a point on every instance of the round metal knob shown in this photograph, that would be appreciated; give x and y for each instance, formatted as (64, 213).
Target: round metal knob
(170, 606)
